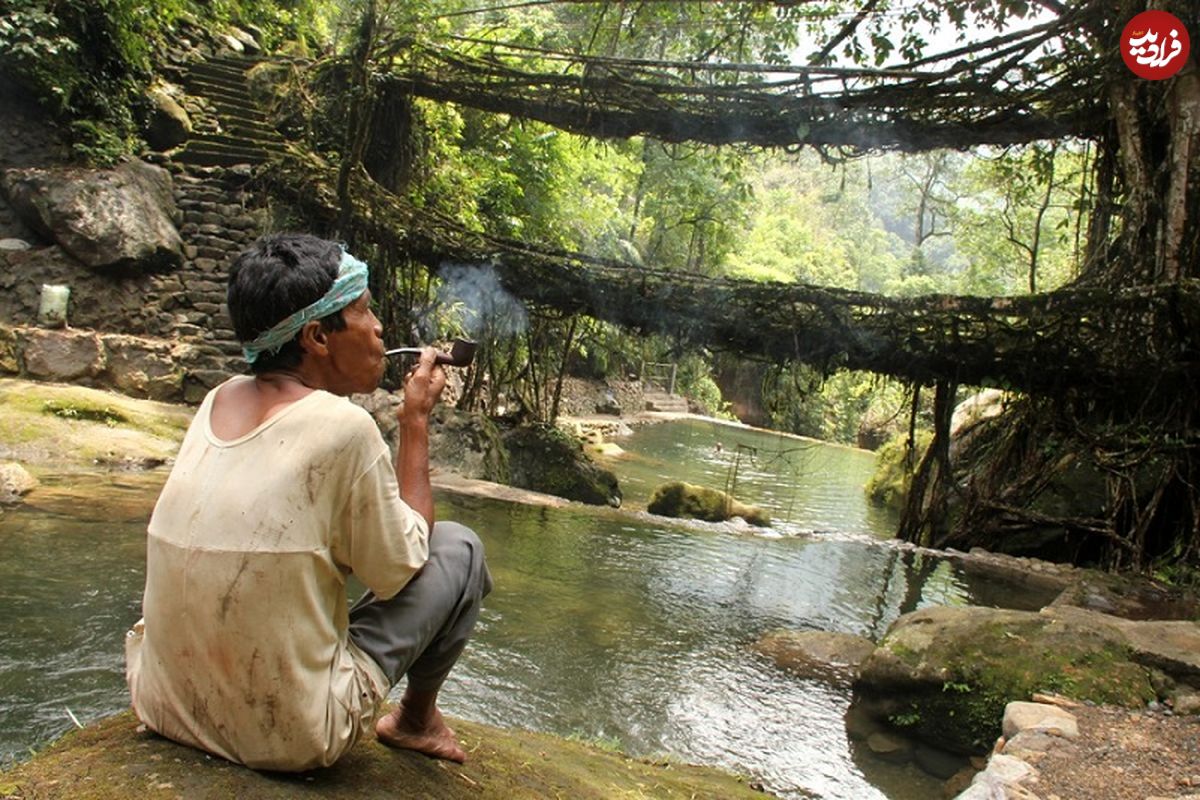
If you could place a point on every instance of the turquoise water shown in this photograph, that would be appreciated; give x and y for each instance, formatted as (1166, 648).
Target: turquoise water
(805, 484)
(616, 627)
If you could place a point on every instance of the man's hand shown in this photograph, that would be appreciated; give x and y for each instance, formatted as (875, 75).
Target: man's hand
(422, 388)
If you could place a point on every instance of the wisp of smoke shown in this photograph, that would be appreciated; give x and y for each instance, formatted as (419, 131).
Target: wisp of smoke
(473, 294)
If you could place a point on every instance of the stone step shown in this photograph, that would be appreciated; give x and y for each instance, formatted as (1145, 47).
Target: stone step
(203, 82)
(233, 81)
(235, 146)
(203, 183)
(246, 130)
(236, 120)
(242, 114)
(239, 106)
(255, 132)
(234, 60)
(661, 401)
(273, 145)
(246, 117)
(217, 177)
(224, 65)
(241, 102)
(211, 156)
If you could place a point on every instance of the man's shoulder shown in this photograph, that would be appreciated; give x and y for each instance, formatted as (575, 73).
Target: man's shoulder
(344, 419)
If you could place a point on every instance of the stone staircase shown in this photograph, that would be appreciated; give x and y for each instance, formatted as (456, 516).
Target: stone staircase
(236, 132)
(661, 401)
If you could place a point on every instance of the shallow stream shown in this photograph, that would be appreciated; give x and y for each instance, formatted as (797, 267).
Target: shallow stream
(621, 629)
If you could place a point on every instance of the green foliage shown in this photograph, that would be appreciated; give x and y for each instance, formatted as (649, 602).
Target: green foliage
(688, 206)
(31, 36)
(894, 468)
(801, 400)
(84, 59)
(693, 379)
(1171, 571)
(1022, 229)
(679, 31)
(603, 350)
(906, 719)
(89, 60)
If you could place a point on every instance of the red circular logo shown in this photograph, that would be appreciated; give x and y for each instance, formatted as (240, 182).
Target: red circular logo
(1155, 44)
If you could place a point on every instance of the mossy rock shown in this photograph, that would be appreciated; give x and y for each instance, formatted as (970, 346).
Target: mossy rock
(72, 426)
(112, 760)
(545, 459)
(468, 444)
(944, 675)
(679, 499)
(888, 485)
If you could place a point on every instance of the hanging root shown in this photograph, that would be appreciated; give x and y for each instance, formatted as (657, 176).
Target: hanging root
(1044, 480)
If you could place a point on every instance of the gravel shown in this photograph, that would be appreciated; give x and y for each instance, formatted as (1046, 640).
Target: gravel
(1123, 754)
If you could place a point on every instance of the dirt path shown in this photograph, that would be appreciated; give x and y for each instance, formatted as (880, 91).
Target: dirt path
(1123, 755)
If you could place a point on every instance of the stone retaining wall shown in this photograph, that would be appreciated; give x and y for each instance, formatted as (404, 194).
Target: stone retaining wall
(138, 366)
(171, 328)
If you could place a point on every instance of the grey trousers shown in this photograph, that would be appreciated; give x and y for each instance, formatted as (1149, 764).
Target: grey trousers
(423, 629)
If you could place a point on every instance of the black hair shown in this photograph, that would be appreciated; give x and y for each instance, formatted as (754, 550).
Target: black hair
(275, 277)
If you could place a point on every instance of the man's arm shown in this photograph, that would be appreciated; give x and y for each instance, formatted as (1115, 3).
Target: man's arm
(421, 392)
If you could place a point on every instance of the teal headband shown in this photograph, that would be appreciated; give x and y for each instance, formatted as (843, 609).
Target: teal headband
(350, 284)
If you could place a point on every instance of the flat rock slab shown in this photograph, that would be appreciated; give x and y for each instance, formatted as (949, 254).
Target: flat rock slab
(112, 760)
(1170, 645)
(823, 655)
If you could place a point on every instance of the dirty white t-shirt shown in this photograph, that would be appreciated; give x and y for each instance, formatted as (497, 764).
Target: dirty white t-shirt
(243, 649)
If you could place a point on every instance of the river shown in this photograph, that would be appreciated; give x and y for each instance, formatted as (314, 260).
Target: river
(621, 629)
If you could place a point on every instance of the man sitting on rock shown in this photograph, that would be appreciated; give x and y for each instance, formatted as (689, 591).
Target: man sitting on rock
(283, 488)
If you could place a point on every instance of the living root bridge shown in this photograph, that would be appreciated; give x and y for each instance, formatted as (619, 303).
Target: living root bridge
(1119, 344)
(768, 105)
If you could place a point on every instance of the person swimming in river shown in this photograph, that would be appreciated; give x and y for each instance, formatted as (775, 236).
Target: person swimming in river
(283, 488)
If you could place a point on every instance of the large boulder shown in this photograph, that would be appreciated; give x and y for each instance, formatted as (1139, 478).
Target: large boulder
(997, 442)
(468, 444)
(250, 45)
(120, 220)
(168, 124)
(545, 459)
(55, 428)
(1131, 597)
(945, 674)
(973, 413)
(679, 499)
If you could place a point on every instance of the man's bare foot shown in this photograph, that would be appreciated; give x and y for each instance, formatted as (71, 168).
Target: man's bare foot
(433, 738)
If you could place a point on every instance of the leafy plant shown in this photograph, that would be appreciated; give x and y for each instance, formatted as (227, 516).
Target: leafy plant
(906, 719)
(76, 411)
